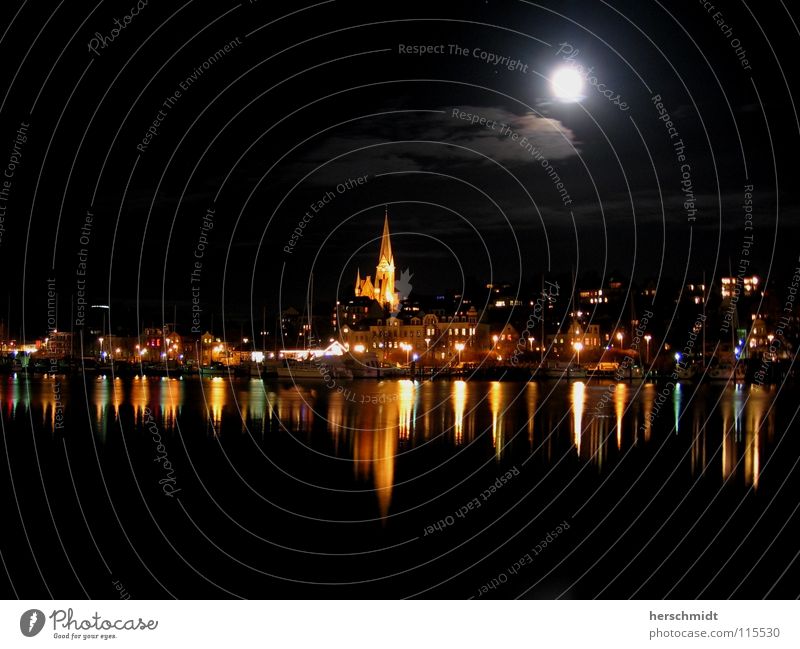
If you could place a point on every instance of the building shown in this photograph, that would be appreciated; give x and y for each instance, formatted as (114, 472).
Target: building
(503, 295)
(157, 344)
(578, 336)
(729, 286)
(382, 288)
(508, 342)
(353, 312)
(59, 344)
(696, 293)
(426, 337)
(593, 296)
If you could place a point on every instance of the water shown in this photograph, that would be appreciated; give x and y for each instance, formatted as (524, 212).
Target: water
(250, 488)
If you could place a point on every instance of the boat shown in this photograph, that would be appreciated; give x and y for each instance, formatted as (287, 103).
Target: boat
(686, 372)
(393, 371)
(551, 370)
(263, 370)
(726, 372)
(576, 372)
(366, 366)
(726, 366)
(313, 365)
(321, 369)
(616, 371)
(37, 368)
(162, 369)
(559, 370)
(87, 366)
(269, 368)
(214, 370)
(631, 373)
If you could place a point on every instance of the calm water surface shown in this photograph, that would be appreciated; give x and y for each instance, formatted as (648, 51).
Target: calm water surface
(224, 488)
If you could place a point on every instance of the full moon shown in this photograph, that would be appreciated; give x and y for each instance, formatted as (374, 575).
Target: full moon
(567, 84)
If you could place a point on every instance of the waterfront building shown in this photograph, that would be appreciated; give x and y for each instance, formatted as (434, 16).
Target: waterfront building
(58, 344)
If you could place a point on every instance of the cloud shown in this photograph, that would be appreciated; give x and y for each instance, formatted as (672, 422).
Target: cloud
(425, 141)
(504, 132)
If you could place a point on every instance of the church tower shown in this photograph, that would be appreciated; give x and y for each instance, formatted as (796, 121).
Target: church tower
(382, 289)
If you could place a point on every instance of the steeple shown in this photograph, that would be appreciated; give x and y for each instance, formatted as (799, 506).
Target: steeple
(382, 289)
(386, 242)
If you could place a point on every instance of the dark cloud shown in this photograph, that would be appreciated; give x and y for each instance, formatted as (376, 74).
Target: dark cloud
(429, 140)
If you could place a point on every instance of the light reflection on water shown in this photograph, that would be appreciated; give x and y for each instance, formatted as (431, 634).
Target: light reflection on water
(459, 401)
(499, 415)
(373, 423)
(578, 405)
(620, 401)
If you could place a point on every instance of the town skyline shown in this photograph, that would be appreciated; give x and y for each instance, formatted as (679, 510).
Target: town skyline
(564, 319)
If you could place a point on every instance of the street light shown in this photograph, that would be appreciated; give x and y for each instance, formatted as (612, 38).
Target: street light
(647, 340)
(407, 348)
(578, 347)
(619, 337)
(459, 349)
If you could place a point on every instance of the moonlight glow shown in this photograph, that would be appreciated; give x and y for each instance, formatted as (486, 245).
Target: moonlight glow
(567, 84)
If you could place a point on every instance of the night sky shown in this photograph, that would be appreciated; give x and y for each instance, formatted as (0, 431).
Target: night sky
(259, 110)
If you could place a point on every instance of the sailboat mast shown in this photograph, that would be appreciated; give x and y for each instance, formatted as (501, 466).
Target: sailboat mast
(703, 348)
(735, 314)
(309, 307)
(541, 340)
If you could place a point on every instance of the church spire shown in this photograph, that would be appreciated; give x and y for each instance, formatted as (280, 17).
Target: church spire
(386, 242)
(382, 289)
